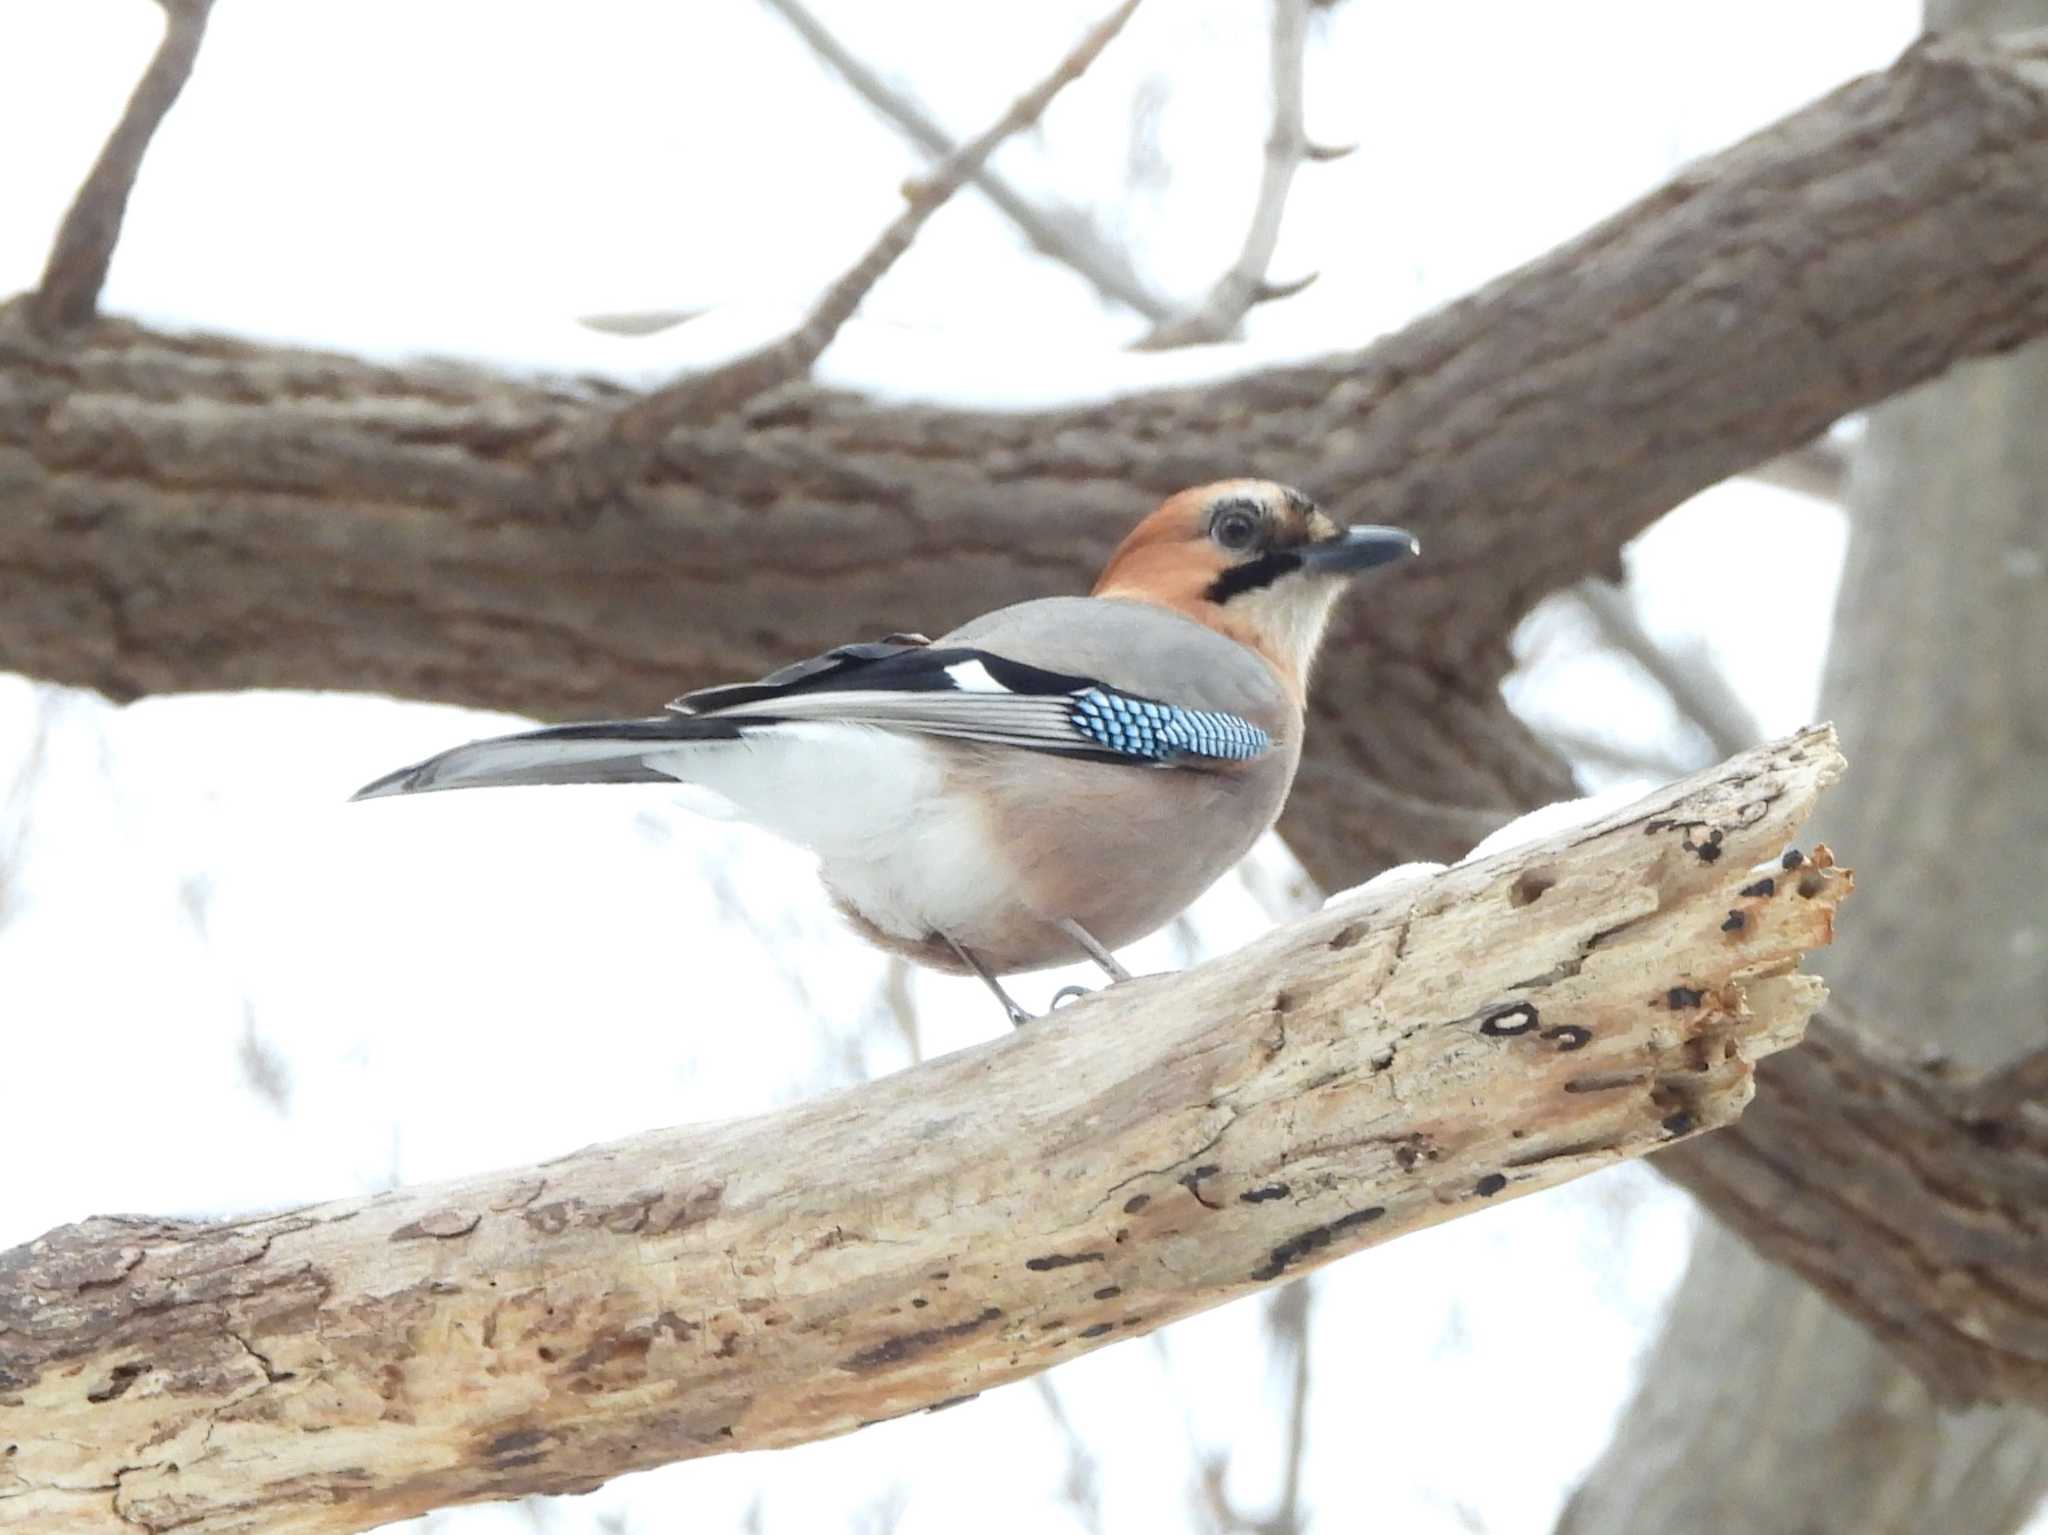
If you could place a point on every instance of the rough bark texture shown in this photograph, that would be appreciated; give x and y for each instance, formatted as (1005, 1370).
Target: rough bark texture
(1886, 1187)
(1154, 1150)
(192, 513)
(1940, 670)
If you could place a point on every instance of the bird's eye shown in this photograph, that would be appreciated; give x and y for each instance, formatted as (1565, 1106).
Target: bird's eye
(1235, 530)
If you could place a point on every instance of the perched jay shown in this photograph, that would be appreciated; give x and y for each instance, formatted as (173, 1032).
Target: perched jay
(1054, 779)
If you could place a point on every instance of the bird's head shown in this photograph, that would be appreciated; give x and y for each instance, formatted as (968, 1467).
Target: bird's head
(1258, 561)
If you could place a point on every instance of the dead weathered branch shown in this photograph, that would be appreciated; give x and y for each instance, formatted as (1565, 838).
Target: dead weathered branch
(1890, 1188)
(1222, 310)
(1064, 234)
(69, 292)
(706, 396)
(1400, 1059)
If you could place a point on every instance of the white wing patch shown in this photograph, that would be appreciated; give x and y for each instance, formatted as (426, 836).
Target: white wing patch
(973, 677)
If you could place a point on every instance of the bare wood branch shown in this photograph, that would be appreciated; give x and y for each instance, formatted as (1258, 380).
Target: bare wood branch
(1061, 233)
(69, 293)
(1698, 690)
(1154, 1150)
(723, 389)
(1912, 1201)
(1220, 313)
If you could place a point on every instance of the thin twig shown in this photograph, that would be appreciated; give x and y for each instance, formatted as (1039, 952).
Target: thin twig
(1060, 232)
(1218, 315)
(69, 293)
(718, 392)
(1697, 688)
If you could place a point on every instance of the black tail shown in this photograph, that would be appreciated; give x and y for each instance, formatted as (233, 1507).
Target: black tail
(609, 751)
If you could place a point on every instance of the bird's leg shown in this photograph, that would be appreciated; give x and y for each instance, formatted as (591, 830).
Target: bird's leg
(1018, 1017)
(1095, 950)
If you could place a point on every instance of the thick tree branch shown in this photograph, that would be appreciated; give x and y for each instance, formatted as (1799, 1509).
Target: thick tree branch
(704, 397)
(1063, 234)
(1222, 310)
(1893, 1192)
(69, 292)
(192, 513)
(1408, 1056)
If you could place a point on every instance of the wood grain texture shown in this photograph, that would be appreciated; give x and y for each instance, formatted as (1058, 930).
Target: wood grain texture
(1413, 1054)
(193, 513)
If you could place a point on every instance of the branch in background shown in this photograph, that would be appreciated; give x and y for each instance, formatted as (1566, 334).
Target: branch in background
(1698, 690)
(1820, 469)
(725, 388)
(403, 529)
(1623, 759)
(1406, 1057)
(1218, 316)
(1063, 234)
(1912, 1201)
(1287, 1332)
(69, 293)
(2003, 1093)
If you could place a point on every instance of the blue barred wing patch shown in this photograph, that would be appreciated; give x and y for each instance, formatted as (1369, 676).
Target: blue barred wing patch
(1135, 727)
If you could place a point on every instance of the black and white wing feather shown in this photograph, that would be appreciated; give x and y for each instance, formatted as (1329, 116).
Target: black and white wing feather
(976, 695)
(902, 684)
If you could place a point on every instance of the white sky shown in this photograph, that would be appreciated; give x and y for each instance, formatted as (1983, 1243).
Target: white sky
(474, 981)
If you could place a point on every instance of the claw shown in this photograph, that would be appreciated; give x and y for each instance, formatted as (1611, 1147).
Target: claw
(1068, 993)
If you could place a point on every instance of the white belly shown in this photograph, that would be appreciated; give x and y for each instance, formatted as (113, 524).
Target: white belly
(893, 844)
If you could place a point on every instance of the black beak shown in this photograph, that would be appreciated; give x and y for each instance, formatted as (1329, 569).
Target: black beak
(1358, 548)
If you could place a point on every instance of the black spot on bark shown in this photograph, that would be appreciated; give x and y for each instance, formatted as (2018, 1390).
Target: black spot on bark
(1097, 1330)
(1347, 935)
(117, 1385)
(1679, 1123)
(1734, 923)
(918, 1303)
(1060, 1261)
(1260, 1196)
(1136, 1203)
(1192, 1182)
(1490, 1185)
(1793, 859)
(1762, 887)
(1295, 1248)
(514, 1442)
(910, 1344)
(1109, 1292)
(1519, 1019)
(1569, 1036)
(1682, 996)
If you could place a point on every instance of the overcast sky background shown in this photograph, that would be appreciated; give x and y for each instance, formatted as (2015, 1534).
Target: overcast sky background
(408, 990)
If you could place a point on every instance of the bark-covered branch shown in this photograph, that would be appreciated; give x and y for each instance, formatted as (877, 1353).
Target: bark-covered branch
(1887, 1188)
(1408, 1056)
(190, 513)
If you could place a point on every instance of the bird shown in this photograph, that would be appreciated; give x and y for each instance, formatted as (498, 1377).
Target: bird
(1043, 784)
